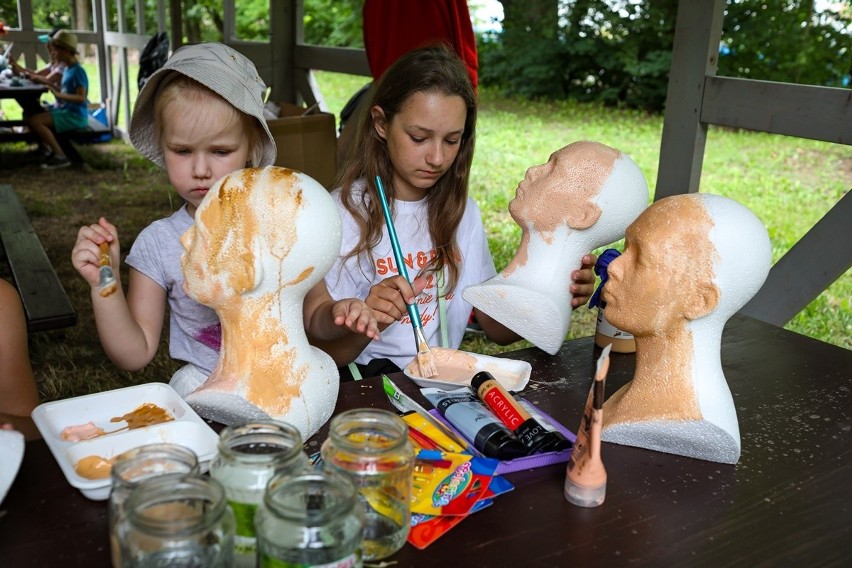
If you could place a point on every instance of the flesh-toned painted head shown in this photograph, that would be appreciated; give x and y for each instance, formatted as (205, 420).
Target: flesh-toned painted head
(689, 263)
(262, 238)
(582, 198)
(562, 190)
(686, 257)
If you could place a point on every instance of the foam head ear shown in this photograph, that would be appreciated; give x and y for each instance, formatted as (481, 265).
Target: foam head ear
(584, 216)
(701, 301)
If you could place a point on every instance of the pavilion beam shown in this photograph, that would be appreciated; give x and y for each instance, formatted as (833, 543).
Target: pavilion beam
(695, 55)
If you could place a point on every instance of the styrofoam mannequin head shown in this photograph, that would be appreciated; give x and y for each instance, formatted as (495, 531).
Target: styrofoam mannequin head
(582, 198)
(689, 263)
(262, 238)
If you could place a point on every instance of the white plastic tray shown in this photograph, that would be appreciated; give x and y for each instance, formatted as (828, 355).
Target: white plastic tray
(512, 374)
(187, 429)
(11, 454)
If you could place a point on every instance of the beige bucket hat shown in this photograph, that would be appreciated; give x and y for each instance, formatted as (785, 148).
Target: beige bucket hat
(65, 40)
(220, 68)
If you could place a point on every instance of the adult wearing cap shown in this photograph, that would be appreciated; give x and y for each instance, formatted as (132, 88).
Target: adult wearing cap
(71, 112)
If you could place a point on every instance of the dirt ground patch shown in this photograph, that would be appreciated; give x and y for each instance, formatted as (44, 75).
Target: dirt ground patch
(116, 183)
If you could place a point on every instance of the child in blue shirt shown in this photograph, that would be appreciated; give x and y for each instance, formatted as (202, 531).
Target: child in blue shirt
(71, 112)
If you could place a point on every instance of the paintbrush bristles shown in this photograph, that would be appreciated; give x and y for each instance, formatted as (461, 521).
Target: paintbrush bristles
(425, 358)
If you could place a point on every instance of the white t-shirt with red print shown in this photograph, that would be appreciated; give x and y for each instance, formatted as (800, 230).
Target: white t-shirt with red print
(354, 277)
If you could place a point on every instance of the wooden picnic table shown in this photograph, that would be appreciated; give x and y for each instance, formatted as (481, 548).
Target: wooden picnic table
(786, 503)
(27, 93)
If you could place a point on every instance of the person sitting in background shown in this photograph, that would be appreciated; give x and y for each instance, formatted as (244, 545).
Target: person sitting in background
(18, 394)
(50, 74)
(71, 112)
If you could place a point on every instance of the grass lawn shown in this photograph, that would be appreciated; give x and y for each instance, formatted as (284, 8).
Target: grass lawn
(789, 183)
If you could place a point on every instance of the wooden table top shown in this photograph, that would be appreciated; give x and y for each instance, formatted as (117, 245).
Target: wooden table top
(26, 88)
(787, 502)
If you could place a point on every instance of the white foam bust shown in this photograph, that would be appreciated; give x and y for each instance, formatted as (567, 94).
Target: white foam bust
(262, 238)
(690, 262)
(583, 198)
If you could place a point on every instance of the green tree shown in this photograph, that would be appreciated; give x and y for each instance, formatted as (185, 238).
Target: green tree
(334, 23)
(788, 41)
(619, 51)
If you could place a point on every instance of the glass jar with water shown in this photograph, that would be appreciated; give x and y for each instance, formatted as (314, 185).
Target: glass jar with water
(248, 457)
(177, 521)
(135, 466)
(372, 447)
(310, 519)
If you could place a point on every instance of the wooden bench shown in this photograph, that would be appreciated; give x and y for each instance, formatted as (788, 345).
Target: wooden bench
(65, 139)
(46, 304)
(96, 131)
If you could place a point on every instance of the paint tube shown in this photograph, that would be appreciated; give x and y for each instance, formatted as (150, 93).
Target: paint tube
(468, 415)
(559, 441)
(506, 407)
(585, 478)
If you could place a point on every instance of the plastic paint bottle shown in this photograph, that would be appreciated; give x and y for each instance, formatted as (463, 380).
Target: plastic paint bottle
(560, 441)
(526, 428)
(475, 421)
(605, 332)
(585, 478)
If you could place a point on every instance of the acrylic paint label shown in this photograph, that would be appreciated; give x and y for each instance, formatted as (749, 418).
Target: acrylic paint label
(609, 330)
(504, 409)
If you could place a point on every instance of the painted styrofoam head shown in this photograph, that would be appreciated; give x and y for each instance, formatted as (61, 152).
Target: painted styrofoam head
(690, 262)
(262, 238)
(583, 198)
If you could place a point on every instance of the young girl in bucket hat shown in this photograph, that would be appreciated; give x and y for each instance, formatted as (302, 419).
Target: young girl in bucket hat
(72, 105)
(199, 117)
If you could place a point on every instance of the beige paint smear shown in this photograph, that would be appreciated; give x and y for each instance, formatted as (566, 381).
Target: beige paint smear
(560, 192)
(254, 345)
(673, 234)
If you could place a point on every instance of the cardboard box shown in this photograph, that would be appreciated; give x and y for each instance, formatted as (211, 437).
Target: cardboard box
(306, 141)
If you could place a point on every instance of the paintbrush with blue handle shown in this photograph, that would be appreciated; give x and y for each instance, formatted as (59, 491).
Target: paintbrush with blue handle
(425, 358)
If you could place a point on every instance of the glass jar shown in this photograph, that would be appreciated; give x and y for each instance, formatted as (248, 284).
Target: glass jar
(178, 521)
(249, 455)
(372, 447)
(310, 519)
(135, 466)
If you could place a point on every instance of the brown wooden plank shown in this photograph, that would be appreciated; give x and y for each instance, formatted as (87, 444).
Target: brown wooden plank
(804, 111)
(817, 260)
(46, 304)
